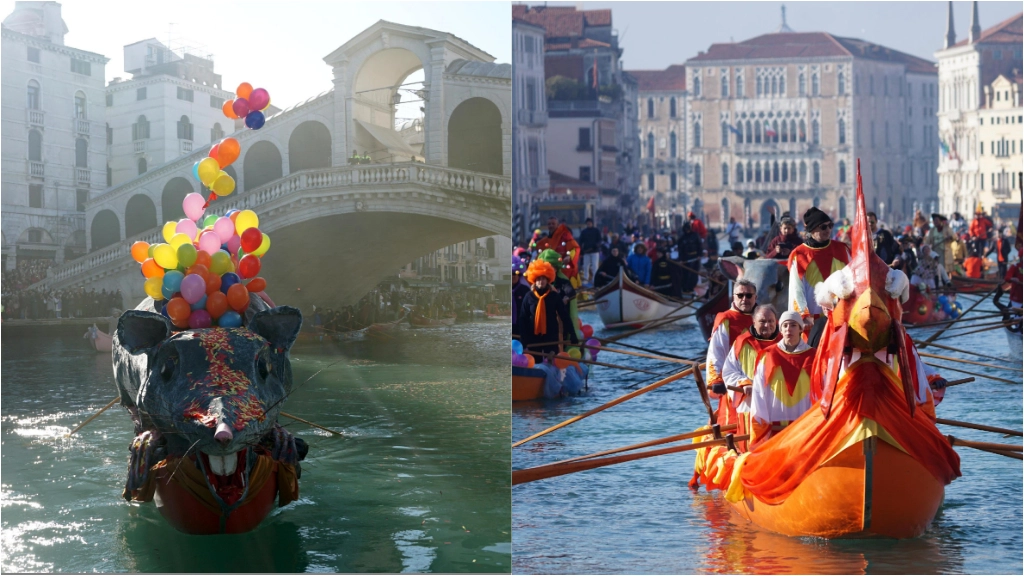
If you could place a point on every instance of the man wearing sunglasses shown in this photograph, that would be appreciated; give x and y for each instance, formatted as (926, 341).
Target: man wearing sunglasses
(813, 262)
(727, 328)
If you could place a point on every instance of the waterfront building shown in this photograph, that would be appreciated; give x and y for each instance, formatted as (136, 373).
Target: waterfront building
(529, 155)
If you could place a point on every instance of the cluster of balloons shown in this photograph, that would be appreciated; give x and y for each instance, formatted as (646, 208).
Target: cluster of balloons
(519, 359)
(210, 170)
(249, 105)
(953, 309)
(203, 274)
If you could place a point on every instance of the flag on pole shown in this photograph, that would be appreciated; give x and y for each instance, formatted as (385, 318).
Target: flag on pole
(650, 205)
(944, 147)
(735, 130)
(595, 70)
(768, 130)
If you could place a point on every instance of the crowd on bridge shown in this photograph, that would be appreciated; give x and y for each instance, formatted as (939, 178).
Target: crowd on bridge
(390, 303)
(23, 302)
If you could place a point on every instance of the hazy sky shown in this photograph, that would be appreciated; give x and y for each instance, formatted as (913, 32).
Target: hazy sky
(657, 34)
(277, 45)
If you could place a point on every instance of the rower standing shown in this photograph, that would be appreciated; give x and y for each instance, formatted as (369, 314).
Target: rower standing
(813, 262)
(780, 391)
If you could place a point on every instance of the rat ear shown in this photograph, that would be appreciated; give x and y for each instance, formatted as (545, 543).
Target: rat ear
(279, 326)
(139, 330)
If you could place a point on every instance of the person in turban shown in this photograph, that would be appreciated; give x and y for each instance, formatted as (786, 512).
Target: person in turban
(544, 317)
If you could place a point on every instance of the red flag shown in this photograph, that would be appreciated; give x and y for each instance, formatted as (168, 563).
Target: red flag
(650, 205)
(595, 70)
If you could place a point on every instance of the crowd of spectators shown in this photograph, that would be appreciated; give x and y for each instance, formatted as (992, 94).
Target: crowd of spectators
(20, 301)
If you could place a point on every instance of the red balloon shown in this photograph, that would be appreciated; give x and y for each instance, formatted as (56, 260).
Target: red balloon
(179, 310)
(213, 151)
(256, 285)
(203, 258)
(588, 331)
(251, 240)
(249, 266)
(212, 284)
(216, 304)
(238, 298)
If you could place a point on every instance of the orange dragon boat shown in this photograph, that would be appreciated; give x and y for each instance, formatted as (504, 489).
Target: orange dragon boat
(866, 460)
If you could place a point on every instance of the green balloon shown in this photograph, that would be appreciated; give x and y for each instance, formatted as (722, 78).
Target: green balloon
(187, 255)
(209, 220)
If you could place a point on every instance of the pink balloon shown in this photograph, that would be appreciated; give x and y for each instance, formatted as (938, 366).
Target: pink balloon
(186, 227)
(193, 288)
(224, 228)
(209, 242)
(240, 107)
(233, 244)
(258, 99)
(193, 206)
(199, 319)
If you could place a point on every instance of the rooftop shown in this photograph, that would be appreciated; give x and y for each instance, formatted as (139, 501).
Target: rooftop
(561, 21)
(672, 78)
(1007, 31)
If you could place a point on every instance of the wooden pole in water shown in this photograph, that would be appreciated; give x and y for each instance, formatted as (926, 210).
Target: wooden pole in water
(950, 368)
(596, 363)
(666, 440)
(935, 336)
(677, 376)
(317, 426)
(951, 359)
(983, 427)
(954, 441)
(972, 353)
(93, 417)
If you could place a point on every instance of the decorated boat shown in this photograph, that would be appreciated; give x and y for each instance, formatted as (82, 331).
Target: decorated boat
(99, 340)
(527, 384)
(623, 303)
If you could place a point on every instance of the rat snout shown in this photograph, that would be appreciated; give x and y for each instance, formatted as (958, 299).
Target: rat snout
(223, 433)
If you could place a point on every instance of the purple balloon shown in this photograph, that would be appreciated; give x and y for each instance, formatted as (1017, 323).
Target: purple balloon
(200, 319)
(240, 107)
(193, 288)
(255, 120)
(258, 99)
(519, 360)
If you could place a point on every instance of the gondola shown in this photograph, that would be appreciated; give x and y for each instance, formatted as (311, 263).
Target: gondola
(623, 303)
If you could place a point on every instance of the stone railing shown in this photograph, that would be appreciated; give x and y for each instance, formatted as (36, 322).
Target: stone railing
(82, 175)
(139, 146)
(36, 117)
(81, 126)
(757, 188)
(36, 169)
(492, 186)
(184, 147)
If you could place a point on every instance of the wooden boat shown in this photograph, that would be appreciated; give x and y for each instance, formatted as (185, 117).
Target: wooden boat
(527, 384)
(499, 313)
(965, 285)
(99, 340)
(417, 320)
(623, 303)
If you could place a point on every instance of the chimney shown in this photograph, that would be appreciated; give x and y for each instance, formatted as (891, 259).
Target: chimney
(975, 26)
(53, 23)
(950, 33)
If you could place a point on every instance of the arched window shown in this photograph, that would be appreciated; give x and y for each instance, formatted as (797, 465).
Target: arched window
(650, 144)
(775, 86)
(216, 133)
(739, 85)
(842, 131)
(817, 173)
(739, 173)
(785, 172)
(758, 129)
(725, 134)
(696, 135)
(672, 145)
(842, 172)
(815, 132)
(80, 105)
(775, 172)
(33, 95)
(696, 82)
(757, 172)
(775, 130)
(81, 153)
(760, 86)
(650, 180)
(140, 130)
(725, 211)
(184, 128)
(672, 107)
(696, 175)
(801, 85)
(842, 207)
(803, 172)
(650, 107)
(725, 85)
(35, 146)
(725, 174)
(750, 133)
(815, 88)
(803, 131)
(750, 172)
(767, 172)
(739, 132)
(842, 83)
(792, 130)
(782, 85)
(672, 181)
(143, 166)
(785, 131)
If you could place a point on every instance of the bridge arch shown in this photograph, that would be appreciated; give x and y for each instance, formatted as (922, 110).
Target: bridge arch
(262, 164)
(309, 146)
(139, 215)
(174, 192)
(475, 136)
(105, 229)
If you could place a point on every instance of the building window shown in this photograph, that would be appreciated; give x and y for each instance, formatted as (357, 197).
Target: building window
(184, 128)
(650, 107)
(216, 133)
(35, 146)
(816, 172)
(785, 173)
(81, 67)
(801, 85)
(35, 236)
(140, 130)
(739, 173)
(33, 55)
(110, 135)
(784, 132)
(842, 172)
(767, 172)
(815, 88)
(886, 133)
(650, 145)
(110, 100)
(775, 172)
(725, 134)
(672, 181)
(696, 82)
(81, 197)
(757, 172)
(725, 174)
(216, 102)
(583, 139)
(140, 93)
(842, 131)
(585, 173)
(80, 105)
(110, 176)
(672, 107)
(81, 153)
(650, 180)
(725, 84)
(35, 195)
(185, 94)
(739, 84)
(672, 145)
(696, 175)
(750, 173)
(696, 134)
(842, 83)
(33, 95)
(803, 130)
(803, 172)
(815, 132)
(143, 166)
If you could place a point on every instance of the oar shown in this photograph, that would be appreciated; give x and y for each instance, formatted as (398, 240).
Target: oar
(607, 405)
(1009, 450)
(996, 378)
(93, 417)
(996, 327)
(983, 427)
(653, 324)
(596, 363)
(950, 348)
(939, 357)
(958, 382)
(963, 314)
(666, 440)
(642, 349)
(552, 470)
(296, 418)
(951, 321)
(639, 355)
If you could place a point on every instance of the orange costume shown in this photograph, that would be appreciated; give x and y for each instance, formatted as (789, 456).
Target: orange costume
(781, 390)
(561, 241)
(738, 371)
(727, 328)
(809, 266)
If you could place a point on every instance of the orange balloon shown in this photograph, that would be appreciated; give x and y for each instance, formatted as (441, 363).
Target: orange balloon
(238, 297)
(216, 304)
(562, 361)
(256, 285)
(227, 152)
(199, 269)
(150, 269)
(140, 251)
(234, 215)
(202, 259)
(244, 90)
(228, 110)
(530, 362)
(212, 284)
(179, 310)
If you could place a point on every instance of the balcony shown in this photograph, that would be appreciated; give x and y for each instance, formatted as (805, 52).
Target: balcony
(184, 147)
(139, 146)
(35, 117)
(82, 175)
(1002, 192)
(35, 169)
(768, 188)
(80, 126)
(581, 108)
(775, 148)
(533, 117)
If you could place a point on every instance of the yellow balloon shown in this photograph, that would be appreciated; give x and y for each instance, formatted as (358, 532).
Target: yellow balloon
(153, 288)
(264, 246)
(224, 184)
(169, 230)
(166, 256)
(178, 240)
(220, 263)
(246, 219)
(208, 171)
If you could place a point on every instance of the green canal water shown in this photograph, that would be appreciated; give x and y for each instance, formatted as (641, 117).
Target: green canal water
(419, 483)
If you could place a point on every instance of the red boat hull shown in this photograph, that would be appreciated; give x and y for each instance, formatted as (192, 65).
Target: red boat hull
(186, 514)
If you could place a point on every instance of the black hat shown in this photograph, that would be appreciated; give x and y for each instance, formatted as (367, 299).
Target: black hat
(937, 215)
(814, 218)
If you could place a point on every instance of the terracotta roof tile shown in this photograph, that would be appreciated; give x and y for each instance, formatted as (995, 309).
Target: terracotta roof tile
(1008, 30)
(869, 51)
(672, 78)
(561, 21)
